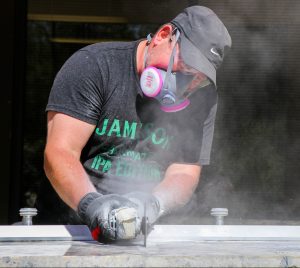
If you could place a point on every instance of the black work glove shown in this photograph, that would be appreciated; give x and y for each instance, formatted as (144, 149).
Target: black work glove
(153, 206)
(94, 209)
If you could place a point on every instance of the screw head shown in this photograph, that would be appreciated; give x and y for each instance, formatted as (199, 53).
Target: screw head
(28, 212)
(219, 212)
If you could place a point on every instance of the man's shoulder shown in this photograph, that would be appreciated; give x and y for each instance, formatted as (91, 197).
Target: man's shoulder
(110, 47)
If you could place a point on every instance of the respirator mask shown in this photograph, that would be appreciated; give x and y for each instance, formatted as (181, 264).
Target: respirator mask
(171, 89)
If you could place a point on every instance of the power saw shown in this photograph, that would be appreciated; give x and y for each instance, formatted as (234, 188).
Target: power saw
(126, 224)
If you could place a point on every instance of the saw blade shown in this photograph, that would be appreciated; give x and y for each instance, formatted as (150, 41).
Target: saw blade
(145, 225)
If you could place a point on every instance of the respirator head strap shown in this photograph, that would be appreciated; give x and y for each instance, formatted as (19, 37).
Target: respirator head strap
(171, 62)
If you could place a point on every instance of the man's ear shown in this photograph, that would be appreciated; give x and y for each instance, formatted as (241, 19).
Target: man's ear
(163, 34)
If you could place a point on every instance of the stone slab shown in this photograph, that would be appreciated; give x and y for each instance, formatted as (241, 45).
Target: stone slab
(156, 254)
(161, 233)
(167, 246)
(44, 232)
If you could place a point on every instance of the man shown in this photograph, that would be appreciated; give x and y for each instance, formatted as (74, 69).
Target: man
(131, 124)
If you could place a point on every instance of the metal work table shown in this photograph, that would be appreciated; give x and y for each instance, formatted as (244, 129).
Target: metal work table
(167, 246)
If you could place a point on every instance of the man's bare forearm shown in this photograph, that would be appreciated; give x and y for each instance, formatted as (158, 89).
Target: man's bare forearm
(178, 186)
(67, 175)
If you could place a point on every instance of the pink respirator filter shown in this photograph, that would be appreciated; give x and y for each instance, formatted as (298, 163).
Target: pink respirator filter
(151, 82)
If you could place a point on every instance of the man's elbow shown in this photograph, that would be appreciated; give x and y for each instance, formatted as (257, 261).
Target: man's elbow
(48, 162)
(53, 158)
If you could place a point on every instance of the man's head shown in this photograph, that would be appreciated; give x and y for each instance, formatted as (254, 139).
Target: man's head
(182, 56)
(203, 41)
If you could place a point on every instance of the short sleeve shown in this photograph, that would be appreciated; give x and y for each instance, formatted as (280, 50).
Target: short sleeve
(78, 88)
(207, 136)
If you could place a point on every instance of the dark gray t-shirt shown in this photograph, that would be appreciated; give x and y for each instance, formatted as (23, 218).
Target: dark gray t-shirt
(134, 141)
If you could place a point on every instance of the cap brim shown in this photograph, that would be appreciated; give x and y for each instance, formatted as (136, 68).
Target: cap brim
(193, 57)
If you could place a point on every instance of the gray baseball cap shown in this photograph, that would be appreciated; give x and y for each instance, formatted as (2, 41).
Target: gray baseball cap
(204, 39)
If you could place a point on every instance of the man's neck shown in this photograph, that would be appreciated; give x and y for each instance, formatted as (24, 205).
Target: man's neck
(140, 54)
